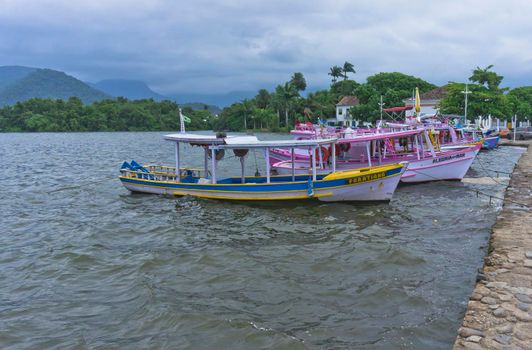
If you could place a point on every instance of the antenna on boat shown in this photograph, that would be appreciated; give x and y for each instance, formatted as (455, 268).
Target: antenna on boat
(466, 92)
(380, 105)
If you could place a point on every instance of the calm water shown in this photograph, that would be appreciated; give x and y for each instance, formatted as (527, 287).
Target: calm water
(86, 264)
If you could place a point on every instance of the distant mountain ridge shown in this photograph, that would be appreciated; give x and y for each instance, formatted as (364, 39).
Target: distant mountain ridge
(130, 89)
(11, 74)
(46, 83)
(19, 83)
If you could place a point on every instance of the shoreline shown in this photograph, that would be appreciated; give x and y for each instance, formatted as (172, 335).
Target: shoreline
(499, 311)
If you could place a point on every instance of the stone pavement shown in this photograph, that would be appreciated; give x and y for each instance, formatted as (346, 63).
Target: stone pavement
(499, 311)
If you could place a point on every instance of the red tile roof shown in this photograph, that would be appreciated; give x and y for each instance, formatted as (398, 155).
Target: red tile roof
(348, 101)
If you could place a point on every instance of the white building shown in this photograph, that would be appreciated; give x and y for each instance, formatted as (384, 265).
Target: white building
(342, 111)
(430, 102)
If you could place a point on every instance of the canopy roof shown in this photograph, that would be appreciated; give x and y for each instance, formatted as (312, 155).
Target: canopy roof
(247, 142)
(380, 136)
(398, 109)
(244, 141)
(195, 138)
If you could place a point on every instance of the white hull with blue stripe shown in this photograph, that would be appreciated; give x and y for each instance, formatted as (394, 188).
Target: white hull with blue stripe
(365, 184)
(377, 183)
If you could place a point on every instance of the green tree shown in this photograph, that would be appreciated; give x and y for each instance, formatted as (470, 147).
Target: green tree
(368, 109)
(298, 81)
(520, 102)
(247, 108)
(401, 83)
(322, 103)
(481, 101)
(348, 68)
(265, 117)
(263, 98)
(335, 72)
(487, 78)
(344, 88)
(285, 94)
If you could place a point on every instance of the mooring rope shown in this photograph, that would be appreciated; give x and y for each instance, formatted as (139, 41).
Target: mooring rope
(477, 191)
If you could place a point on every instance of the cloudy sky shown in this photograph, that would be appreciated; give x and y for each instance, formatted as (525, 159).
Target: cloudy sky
(219, 46)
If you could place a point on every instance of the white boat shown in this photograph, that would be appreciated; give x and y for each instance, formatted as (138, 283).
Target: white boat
(374, 183)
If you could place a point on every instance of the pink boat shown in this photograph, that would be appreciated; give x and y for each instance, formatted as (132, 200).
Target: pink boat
(426, 160)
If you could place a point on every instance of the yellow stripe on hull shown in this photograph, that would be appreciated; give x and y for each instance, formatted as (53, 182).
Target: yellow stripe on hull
(208, 196)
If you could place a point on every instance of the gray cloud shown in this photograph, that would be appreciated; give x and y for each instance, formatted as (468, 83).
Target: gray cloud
(219, 46)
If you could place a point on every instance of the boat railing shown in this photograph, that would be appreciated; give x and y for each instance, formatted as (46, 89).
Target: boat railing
(162, 173)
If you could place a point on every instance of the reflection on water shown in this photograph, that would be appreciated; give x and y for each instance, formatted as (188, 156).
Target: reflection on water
(87, 264)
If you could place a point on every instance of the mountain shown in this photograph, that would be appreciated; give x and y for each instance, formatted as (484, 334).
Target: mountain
(10, 74)
(221, 100)
(47, 83)
(18, 83)
(130, 89)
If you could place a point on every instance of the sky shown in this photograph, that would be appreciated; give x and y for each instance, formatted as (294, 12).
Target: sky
(201, 46)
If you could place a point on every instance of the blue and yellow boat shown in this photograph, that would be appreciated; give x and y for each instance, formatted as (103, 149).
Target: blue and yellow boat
(377, 183)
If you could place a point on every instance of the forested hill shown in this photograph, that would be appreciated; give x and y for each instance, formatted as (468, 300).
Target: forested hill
(48, 83)
(11, 74)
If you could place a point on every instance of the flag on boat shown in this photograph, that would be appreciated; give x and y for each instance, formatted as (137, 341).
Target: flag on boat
(418, 101)
(182, 120)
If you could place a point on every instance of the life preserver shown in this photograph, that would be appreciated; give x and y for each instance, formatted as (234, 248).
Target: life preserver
(219, 154)
(337, 149)
(324, 154)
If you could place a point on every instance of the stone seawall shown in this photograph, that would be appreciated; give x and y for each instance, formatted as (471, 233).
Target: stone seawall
(499, 312)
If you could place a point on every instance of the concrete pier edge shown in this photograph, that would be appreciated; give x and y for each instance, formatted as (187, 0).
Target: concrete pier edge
(499, 311)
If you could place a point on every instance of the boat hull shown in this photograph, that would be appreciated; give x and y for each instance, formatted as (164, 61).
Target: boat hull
(490, 142)
(450, 165)
(368, 184)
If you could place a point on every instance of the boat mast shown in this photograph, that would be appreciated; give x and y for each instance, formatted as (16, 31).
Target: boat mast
(293, 165)
(313, 157)
(267, 158)
(466, 92)
(213, 160)
(380, 105)
(333, 157)
(177, 172)
(181, 121)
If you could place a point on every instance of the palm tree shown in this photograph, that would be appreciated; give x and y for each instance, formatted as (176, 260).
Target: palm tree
(263, 98)
(284, 95)
(335, 73)
(348, 68)
(298, 80)
(247, 108)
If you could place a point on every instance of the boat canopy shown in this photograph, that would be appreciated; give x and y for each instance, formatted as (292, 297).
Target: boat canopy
(398, 109)
(195, 138)
(253, 142)
(241, 142)
(381, 136)
(214, 148)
